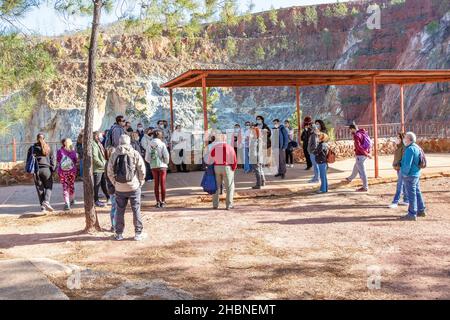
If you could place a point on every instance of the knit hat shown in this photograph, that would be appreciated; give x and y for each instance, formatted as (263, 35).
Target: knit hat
(307, 121)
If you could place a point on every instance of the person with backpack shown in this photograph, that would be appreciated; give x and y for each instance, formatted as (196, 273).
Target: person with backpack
(306, 133)
(321, 158)
(363, 146)
(412, 162)
(398, 155)
(224, 159)
(281, 139)
(99, 162)
(67, 159)
(313, 142)
(111, 192)
(159, 162)
(256, 157)
(40, 158)
(126, 171)
(116, 131)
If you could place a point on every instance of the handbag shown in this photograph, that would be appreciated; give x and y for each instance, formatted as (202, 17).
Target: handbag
(208, 183)
(31, 164)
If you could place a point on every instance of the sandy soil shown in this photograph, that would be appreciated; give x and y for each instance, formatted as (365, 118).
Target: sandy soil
(303, 247)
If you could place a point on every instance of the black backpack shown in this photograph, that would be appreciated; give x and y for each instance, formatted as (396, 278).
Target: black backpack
(124, 168)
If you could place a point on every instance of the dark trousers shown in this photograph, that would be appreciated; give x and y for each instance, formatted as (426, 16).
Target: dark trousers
(100, 181)
(43, 181)
(159, 176)
(121, 204)
(289, 156)
(281, 161)
(307, 156)
(182, 166)
(148, 172)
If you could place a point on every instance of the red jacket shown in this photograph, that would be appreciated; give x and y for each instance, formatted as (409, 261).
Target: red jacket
(222, 154)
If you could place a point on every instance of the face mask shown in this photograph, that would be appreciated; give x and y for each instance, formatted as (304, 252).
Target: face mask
(236, 130)
(276, 126)
(140, 129)
(405, 142)
(161, 126)
(259, 121)
(247, 127)
(398, 141)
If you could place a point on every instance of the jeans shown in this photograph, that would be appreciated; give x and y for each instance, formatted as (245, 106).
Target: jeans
(224, 174)
(100, 181)
(323, 177)
(247, 165)
(400, 188)
(159, 176)
(113, 212)
(416, 203)
(315, 166)
(360, 169)
(121, 203)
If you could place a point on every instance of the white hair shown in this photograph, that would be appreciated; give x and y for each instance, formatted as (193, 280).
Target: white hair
(411, 136)
(124, 139)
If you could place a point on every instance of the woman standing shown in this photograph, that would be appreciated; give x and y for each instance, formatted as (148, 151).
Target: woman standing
(321, 125)
(398, 155)
(79, 147)
(99, 162)
(256, 157)
(321, 153)
(159, 156)
(43, 177)
(291, 145)
(67, 159)
(306, 133)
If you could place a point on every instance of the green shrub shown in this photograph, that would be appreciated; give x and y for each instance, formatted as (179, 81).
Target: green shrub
(260, 53)
(432, 27)
(311, 16)
(261, 24)
(231, 47)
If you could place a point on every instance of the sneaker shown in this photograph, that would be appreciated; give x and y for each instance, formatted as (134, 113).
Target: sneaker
(313, 181)
(162, 204)
(47, 206)
(118, 237)
(393, 206)
(158, 205)
(140, 236)
(422, 214)
(43, 209)
(403, 203)
(347, 180)
(362, 190)
(278, 175)
(408, 217)
(99, 204)
(230, 207)
(256, 187)
(67, 207)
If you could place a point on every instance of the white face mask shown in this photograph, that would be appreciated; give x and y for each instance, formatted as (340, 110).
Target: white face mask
(140, 129)
(406, 142)
(276, 126)
(259, 121)
(398, 141)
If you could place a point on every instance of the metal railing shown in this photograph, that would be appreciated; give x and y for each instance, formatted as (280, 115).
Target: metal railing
(17, 151)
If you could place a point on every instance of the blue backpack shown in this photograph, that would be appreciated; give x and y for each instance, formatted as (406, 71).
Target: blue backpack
(209, 181)
(31, 164)
(366, 143)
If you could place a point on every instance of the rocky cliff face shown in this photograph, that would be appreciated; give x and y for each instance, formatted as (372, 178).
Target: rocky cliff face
(414, 34)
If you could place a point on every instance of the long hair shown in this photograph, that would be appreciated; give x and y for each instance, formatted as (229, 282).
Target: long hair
(44, 146)
(68, 142)
(323, 127)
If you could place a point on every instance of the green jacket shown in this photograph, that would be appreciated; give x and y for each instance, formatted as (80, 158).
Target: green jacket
(98, 158)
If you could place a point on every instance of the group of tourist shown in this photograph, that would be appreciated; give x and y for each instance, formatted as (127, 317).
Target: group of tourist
(124, 159)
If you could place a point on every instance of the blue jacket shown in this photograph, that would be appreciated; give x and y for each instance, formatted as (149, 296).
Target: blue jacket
(283, 137)
(410, 161)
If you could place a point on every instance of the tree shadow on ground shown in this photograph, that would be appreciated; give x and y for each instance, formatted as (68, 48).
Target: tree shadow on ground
(334, 219)
(17, 240)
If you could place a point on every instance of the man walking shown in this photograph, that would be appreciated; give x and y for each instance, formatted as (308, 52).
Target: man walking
(410, 169)
(126, 171)
(281, 141)
(362, 152)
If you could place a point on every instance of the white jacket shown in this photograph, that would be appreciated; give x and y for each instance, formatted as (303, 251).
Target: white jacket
(163, 152)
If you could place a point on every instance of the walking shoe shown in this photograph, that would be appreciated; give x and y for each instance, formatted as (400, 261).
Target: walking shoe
(256, 187)
(140, 236)
(158, 205)
(118, 237)
(230, 207)
(403, 203)
(347, 180)
(162, 204)
(362, 190)
(278, 175)
(43, 209)
(422, 214)
(47, 206)
(408, 217)
(393, 206)
(313, 181)
(99, 204)
(67, 207)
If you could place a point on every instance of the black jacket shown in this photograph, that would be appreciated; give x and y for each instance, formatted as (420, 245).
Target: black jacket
(321, 153)
(47, 161)
(306, 133)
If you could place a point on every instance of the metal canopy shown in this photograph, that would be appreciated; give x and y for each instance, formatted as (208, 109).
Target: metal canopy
(281, 78)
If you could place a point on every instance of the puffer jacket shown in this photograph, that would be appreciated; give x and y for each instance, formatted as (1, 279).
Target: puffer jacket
(139, 178)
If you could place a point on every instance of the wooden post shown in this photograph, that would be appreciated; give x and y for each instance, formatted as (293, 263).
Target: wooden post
(299, 120)
(375, 125)
(402, 108)
(14, 150)
(171, 110)
(205, 110)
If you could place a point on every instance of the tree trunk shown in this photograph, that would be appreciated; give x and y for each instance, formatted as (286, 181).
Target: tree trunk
(92, 223)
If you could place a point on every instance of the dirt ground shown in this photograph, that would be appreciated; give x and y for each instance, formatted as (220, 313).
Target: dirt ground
(334, 246)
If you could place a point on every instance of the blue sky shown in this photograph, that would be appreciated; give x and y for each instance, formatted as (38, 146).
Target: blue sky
(45, 21)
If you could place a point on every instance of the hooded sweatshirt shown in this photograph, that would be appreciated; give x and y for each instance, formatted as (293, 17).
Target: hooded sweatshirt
(163, 152)
(139, 178)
